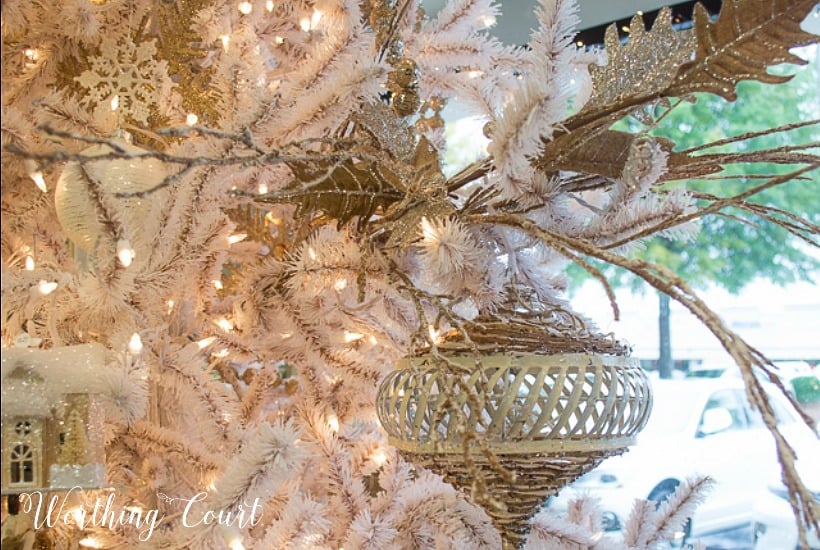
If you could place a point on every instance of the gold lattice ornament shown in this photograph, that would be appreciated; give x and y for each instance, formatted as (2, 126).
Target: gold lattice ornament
(523, 417)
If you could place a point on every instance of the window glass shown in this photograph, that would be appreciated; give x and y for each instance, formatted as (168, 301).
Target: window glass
(21, 457)
(22, 465)
(731, 402)
(22, 428)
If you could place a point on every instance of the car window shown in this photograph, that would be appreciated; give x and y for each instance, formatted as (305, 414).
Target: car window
(706, 373)
(732, 402)
(781, 413)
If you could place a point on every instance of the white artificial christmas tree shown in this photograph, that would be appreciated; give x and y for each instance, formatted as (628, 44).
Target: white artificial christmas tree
(255, 190)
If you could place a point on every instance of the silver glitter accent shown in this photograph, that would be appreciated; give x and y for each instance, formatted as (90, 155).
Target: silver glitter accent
(646, 64)
(639, 163)
(391, 134)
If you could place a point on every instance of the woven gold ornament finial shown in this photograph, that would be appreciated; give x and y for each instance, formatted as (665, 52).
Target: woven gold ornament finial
(510, 420)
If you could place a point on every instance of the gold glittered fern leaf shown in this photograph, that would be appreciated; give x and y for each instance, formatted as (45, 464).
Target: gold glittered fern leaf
(341, 190)
(645, 65)
(748, 37)
(348, 189)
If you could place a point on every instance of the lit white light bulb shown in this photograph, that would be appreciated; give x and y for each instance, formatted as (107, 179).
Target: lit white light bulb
(46, 287)
(29, 263)
(488, 20)
(315, 18)
(205, 342)
(333, 422)
(232, 537)
(224, 324)
(245, 8)
(91, 542)
(39, 180)
(135, 343)
(35, 174)
(308, 24)
(353, 336)
(191, 119)
(125, 253)
(379, 457)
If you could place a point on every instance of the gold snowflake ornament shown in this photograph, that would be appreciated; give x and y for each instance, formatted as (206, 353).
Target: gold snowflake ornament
(126, 75)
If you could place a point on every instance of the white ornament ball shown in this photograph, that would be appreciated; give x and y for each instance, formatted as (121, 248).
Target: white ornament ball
(84, 192)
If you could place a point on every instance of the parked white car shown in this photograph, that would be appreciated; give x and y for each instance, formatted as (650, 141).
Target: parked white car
(706, 426)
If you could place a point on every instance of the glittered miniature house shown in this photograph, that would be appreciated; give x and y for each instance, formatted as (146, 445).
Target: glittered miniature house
(51, 418)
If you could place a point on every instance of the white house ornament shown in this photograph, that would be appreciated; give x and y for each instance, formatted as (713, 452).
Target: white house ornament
(51, 418)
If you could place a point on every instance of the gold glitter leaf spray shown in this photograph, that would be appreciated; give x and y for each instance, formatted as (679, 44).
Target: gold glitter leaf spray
(747, 38)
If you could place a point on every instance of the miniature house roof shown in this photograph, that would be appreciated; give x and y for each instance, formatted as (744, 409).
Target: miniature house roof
(35, 379)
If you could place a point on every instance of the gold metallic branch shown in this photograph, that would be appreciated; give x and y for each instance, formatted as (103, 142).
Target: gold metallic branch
(745, 356)
(750, 135)
(717, 205)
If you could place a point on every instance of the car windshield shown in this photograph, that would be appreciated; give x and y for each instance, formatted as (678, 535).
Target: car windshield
(678, 405)
(671, 411)
(675, 406)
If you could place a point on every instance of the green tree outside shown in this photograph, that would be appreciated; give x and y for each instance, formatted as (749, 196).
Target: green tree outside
(732, 249)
